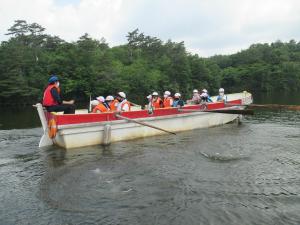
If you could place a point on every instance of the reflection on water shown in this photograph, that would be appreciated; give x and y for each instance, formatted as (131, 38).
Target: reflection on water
(233, 174)
(19, 118)
(277, 98)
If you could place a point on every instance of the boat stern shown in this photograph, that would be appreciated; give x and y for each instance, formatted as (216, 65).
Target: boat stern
(45, 140)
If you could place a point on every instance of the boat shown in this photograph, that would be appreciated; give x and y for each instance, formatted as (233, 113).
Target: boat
(85, 129)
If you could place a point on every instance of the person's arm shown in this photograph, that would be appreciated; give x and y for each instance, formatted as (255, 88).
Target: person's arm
(173, 104)
(125, 108)
(56, 95)
(68, 102)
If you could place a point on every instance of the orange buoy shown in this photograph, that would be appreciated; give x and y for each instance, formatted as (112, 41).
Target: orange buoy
(52, 128)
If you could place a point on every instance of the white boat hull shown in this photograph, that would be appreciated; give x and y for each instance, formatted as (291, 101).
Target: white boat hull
(71, 136)
(97, 133)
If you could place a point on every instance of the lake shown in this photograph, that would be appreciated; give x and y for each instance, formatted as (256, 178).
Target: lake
(232, 174)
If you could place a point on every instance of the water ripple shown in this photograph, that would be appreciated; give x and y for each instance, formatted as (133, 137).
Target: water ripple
(233, 174)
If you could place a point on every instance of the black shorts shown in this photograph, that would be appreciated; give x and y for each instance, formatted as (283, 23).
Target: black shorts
(66, 108)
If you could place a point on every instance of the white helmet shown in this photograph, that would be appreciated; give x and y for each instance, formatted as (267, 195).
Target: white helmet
(204, 95)
(94, 102)
(100, 99)
(149, 96)
(204, 91)
(221, 90)
(122, 94)
(155, 93)
(177, 95)
(109, 98)
(167, 93)
(195, 91)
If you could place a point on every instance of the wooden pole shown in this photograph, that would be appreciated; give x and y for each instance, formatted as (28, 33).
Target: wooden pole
(228, 111)
(142, 123)
(269, 106)
(276, 106)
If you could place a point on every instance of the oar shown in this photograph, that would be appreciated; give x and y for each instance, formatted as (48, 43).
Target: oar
(270, 106)
(276, 106)
(134, 104)
(228, 111)
(142, 123)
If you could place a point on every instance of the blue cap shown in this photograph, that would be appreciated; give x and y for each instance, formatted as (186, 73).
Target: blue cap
(53, 79)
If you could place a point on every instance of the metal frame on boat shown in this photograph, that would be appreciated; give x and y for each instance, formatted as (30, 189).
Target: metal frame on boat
(84, 129)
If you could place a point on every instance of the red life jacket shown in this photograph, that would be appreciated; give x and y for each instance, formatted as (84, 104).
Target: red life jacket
(48, 99)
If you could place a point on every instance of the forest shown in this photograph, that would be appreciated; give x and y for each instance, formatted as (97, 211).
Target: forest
(142, 65)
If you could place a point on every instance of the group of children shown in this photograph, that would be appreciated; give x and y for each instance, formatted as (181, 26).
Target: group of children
(204, 97)
(53, 101)
(120, 103)
(168, 101)
(110, 104)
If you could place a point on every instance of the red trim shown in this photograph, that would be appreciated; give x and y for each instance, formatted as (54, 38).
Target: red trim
(109, 116)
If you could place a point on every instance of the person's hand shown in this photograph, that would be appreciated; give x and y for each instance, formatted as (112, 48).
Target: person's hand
(69, 102)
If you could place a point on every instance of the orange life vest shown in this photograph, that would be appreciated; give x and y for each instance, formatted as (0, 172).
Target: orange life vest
(168, 102)
(100, 107)
(48, 99)
(157, 103)
(113, 105)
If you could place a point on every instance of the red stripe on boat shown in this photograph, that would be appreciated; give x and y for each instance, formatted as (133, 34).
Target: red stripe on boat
(97, 117)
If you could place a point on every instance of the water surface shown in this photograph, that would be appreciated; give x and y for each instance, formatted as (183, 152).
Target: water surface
(232, 174)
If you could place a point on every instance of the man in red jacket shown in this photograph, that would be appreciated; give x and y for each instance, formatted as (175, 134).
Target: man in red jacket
(52, 99)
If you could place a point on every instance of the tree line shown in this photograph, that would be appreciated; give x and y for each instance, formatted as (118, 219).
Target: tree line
(142, 65)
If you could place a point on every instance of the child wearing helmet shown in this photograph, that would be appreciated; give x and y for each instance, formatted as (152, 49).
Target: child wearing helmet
(101, 107)
(168, 100)
(156, 101)
(123, 104)
(205, 96)
(178, 102)
(222, 97)
(196, 99)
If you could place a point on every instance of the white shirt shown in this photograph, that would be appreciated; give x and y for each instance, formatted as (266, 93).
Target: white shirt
(122, 106)
(204, 95)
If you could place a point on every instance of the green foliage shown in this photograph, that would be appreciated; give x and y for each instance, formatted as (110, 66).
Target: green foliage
(262, 68)
(143, 65)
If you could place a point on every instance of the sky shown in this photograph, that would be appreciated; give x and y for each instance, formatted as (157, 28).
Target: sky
(207, 27)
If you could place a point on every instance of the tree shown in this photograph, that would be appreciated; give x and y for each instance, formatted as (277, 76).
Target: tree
(142, 65)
